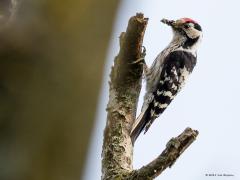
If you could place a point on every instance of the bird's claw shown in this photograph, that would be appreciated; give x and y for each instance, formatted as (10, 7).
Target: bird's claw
(141, 60)
(143, 54)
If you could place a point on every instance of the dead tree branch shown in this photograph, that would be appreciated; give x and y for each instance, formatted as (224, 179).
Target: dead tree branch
(125, 86)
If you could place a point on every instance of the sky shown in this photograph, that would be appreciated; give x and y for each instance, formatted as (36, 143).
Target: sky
(209, 102)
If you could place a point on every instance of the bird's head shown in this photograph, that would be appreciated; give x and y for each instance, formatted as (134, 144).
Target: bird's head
(185, 26)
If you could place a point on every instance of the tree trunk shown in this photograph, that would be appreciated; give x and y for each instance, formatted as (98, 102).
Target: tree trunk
(52, 55)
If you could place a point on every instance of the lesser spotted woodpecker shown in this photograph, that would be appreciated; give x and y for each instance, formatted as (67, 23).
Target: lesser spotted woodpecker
(169, 71)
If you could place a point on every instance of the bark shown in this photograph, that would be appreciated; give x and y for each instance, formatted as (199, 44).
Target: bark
(125, 85)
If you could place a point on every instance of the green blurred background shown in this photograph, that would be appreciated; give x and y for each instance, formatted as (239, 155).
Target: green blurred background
(51, 61)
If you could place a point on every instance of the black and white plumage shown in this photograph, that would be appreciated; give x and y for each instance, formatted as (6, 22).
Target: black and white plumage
(169, 72)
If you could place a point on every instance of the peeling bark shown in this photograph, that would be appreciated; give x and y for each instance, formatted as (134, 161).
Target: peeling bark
(125, 85)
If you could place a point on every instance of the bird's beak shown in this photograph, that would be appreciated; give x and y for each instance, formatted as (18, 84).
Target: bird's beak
(168, 22)
(172, 23)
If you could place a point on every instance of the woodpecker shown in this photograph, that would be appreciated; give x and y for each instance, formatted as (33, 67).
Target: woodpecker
(168, 73)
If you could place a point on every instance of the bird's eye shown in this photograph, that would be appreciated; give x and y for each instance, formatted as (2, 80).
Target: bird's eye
(186, 26)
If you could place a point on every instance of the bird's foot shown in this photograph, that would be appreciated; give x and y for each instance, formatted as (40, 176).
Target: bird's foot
(141, 60)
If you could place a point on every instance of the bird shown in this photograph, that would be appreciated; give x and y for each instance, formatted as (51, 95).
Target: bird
(169, 72)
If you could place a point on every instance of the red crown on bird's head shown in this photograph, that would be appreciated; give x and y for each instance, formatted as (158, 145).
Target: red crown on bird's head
(188, 20)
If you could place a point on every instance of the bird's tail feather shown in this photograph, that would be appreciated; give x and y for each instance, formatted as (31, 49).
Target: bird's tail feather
(138, 126)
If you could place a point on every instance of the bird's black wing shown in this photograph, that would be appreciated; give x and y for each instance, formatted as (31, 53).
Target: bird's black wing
(177, 66)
